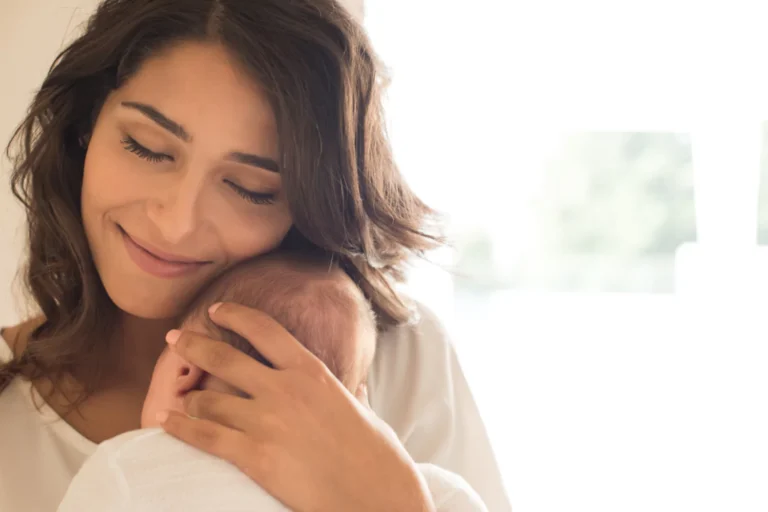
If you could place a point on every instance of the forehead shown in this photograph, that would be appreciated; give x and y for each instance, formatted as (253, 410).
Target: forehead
(203, 88)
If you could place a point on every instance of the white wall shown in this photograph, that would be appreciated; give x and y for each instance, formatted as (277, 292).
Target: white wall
(31, 34)
(356, 7)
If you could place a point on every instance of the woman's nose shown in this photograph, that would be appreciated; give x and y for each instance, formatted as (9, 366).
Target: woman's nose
(175, 211)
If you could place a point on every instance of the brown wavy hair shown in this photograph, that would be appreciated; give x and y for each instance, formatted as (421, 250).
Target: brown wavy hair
(324, 82)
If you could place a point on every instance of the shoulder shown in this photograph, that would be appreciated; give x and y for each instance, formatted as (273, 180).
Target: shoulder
(132, 453)
(16, 337)
(413, 368)
(130, 439)
(414, 350)
(101, 483)
(425, 333)
(136, 450)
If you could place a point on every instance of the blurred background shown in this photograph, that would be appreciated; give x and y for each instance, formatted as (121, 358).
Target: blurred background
(602, 172)
(601, 168)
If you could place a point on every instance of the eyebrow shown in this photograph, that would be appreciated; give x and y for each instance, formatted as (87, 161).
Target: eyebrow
(178, 130)
(254, 160)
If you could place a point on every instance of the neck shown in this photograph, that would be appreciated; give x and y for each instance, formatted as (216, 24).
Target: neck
(140, 343)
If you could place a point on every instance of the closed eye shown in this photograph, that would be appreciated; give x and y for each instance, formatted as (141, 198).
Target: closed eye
(130, 144)
(251, 196)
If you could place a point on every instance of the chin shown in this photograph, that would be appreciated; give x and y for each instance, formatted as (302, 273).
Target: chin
(138, 292)
(147, 301)
(150, 310)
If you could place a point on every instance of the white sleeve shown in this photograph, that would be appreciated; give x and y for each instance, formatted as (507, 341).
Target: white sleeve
(97, 486)
(449, 491)
(417, 386)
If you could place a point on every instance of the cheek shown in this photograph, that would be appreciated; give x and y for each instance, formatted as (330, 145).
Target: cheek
(110, 179)
(257, 234)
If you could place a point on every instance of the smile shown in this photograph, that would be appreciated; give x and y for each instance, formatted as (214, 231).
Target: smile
(158, 263)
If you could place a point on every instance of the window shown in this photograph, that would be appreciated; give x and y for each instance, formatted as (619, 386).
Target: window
(762, 227)
(598, 165)
(602, 212)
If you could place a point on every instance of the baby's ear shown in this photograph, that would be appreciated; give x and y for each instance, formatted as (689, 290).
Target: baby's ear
(188, 378)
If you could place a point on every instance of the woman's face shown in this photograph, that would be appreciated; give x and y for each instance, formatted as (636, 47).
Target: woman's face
(181, 179)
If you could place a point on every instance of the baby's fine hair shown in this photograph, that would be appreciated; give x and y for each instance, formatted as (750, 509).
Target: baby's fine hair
(310, 296)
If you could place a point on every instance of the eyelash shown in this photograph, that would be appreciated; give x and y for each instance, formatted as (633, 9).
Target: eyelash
(133, 146)
(252, 197)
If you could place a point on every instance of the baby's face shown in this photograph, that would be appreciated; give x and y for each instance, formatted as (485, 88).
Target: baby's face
(173, 378)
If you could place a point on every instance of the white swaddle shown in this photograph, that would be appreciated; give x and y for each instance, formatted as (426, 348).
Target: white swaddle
(150, 471)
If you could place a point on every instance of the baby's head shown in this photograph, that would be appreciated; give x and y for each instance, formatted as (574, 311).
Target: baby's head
(311, 298)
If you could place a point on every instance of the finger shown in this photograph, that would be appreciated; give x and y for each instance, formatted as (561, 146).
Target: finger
(220, 360)
(263, 332)
(223, 408)
(211, 437)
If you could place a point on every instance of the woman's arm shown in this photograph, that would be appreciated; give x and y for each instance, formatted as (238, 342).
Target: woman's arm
(418, 387)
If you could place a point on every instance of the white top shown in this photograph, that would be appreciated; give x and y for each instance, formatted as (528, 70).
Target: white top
(415, 385)
(151, 471)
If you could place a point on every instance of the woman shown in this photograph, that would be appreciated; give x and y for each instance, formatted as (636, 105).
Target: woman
(172, 140)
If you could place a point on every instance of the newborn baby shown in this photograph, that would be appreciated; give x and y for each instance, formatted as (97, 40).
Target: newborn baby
(313, 300)
(148, 470)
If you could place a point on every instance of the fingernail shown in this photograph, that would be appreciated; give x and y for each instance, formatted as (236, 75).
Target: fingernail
(173, 336)
(161, 416)
(212, 309)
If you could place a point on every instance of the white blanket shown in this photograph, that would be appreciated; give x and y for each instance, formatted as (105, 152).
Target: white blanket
(151, 471)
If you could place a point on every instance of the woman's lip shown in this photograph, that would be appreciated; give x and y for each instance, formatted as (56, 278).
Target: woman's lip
(155, 265)
(168, 257)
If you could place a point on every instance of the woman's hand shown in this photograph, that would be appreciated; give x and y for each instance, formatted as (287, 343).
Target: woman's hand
(302, 436)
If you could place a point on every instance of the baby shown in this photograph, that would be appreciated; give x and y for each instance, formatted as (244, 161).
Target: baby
(311, 298)
(148, 470)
